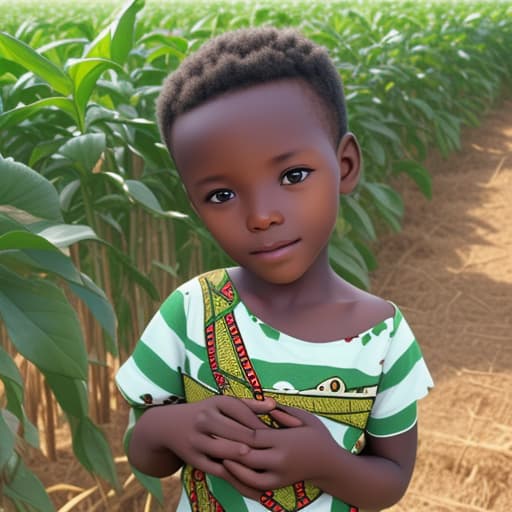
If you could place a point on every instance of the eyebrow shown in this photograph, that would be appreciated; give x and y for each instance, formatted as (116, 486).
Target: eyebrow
(272, 161)
(283, 156)
(209, 179)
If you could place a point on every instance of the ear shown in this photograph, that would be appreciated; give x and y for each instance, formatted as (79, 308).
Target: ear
(350, 161)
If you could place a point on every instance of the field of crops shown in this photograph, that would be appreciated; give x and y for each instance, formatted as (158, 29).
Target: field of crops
(94, 227)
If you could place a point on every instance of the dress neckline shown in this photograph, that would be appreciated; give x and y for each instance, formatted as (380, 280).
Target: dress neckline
(293, 339)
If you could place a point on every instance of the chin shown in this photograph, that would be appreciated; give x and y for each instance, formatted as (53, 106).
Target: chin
(279, 277)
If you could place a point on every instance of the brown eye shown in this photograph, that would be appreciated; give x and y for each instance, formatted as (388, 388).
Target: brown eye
(220, 196)
(294, 176)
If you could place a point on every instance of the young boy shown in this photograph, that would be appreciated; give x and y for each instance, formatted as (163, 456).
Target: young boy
(278, 385)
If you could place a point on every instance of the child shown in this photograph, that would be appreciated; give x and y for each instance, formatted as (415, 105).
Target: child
(279, 385)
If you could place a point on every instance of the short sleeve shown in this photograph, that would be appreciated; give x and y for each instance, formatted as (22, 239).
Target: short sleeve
(405, 379)
(152, 374)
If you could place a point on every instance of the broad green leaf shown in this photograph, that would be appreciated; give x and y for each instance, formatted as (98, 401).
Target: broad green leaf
(132, 272)
(26, 190)
(418, 145)
(17, 51)
(358, 218)
(368, 256)
(67, 194)
(85, 74)
(116, 40)
(12, 118)
(70, 393)
(346, 265)
(42, 325)
(40, 254)
(381, 129)
(423, 107)
(61, 43)
(64, 235)
(8, 440)
(9, 224)
(44, 150)
(143, 195)
(163, 38)
(92, 449)
(28, 253)
(13, 389)
(376, 151)
(386, 198)
(24, 240)
(25, 487)
(418, 173)
(97, 302)
(84, 151)
(11, 68)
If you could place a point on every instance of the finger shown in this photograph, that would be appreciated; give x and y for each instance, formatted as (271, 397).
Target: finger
(305, 417)
(266, 438)
(220, 448)
(248, 476)
(204, 463)
(285, 419)
(242, 413)
(226, 428)
(260, 406)
(244, 489)
(261, 460)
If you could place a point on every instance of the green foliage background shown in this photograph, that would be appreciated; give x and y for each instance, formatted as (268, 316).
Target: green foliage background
(92, 211)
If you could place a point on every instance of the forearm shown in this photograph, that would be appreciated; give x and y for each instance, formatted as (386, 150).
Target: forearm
(377, 478)
(365, 481)
(146, 451)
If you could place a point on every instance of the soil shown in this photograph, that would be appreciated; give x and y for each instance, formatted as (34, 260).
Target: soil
(450, 271)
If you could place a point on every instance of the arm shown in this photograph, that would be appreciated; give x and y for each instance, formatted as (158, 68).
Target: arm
(376, 479)
(373, 480)
(200, 434)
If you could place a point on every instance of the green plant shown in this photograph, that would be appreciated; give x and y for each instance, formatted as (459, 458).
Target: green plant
(77, 107)
(43, 327)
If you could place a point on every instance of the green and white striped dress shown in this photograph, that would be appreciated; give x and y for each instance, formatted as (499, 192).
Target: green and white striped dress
(365, 384)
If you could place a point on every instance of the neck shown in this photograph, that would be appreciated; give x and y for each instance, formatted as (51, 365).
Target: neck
(318, 284)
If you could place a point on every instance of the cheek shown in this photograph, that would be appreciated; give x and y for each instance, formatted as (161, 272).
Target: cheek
(224, 231)
(323, 215)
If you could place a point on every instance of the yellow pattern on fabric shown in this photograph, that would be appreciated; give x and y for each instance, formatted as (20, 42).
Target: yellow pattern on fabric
(353, 411)
(350, 411)
(226, 354)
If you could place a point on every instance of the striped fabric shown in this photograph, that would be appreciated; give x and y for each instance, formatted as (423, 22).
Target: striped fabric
(382, 364)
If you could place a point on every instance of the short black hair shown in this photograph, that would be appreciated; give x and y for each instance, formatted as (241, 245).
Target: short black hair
(246, 57)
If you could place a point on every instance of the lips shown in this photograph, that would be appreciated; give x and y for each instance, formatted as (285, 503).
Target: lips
(275, 246)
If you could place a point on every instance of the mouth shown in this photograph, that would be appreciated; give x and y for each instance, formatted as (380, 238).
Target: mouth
(274, 247)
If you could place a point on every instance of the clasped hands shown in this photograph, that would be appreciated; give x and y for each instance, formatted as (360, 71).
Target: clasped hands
(223, 436)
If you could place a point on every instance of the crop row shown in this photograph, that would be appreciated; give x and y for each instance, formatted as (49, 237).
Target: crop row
(81, 161)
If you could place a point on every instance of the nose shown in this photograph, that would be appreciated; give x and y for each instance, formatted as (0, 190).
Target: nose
(262, 214)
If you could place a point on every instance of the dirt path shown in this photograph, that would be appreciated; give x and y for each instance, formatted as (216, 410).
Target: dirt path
(451, 272)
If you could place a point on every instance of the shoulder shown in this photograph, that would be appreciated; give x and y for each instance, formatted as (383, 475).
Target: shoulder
(367, 309)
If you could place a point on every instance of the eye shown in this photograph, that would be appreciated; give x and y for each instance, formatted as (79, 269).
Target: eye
(294, 176)
(220, 196)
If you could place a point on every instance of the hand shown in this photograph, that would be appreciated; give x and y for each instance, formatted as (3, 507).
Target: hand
(280, 457)
(204, 433)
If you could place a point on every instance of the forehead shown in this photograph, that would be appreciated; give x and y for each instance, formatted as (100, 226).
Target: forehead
(260, 119)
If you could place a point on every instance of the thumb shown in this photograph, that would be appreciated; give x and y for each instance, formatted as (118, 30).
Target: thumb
(299, 415)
